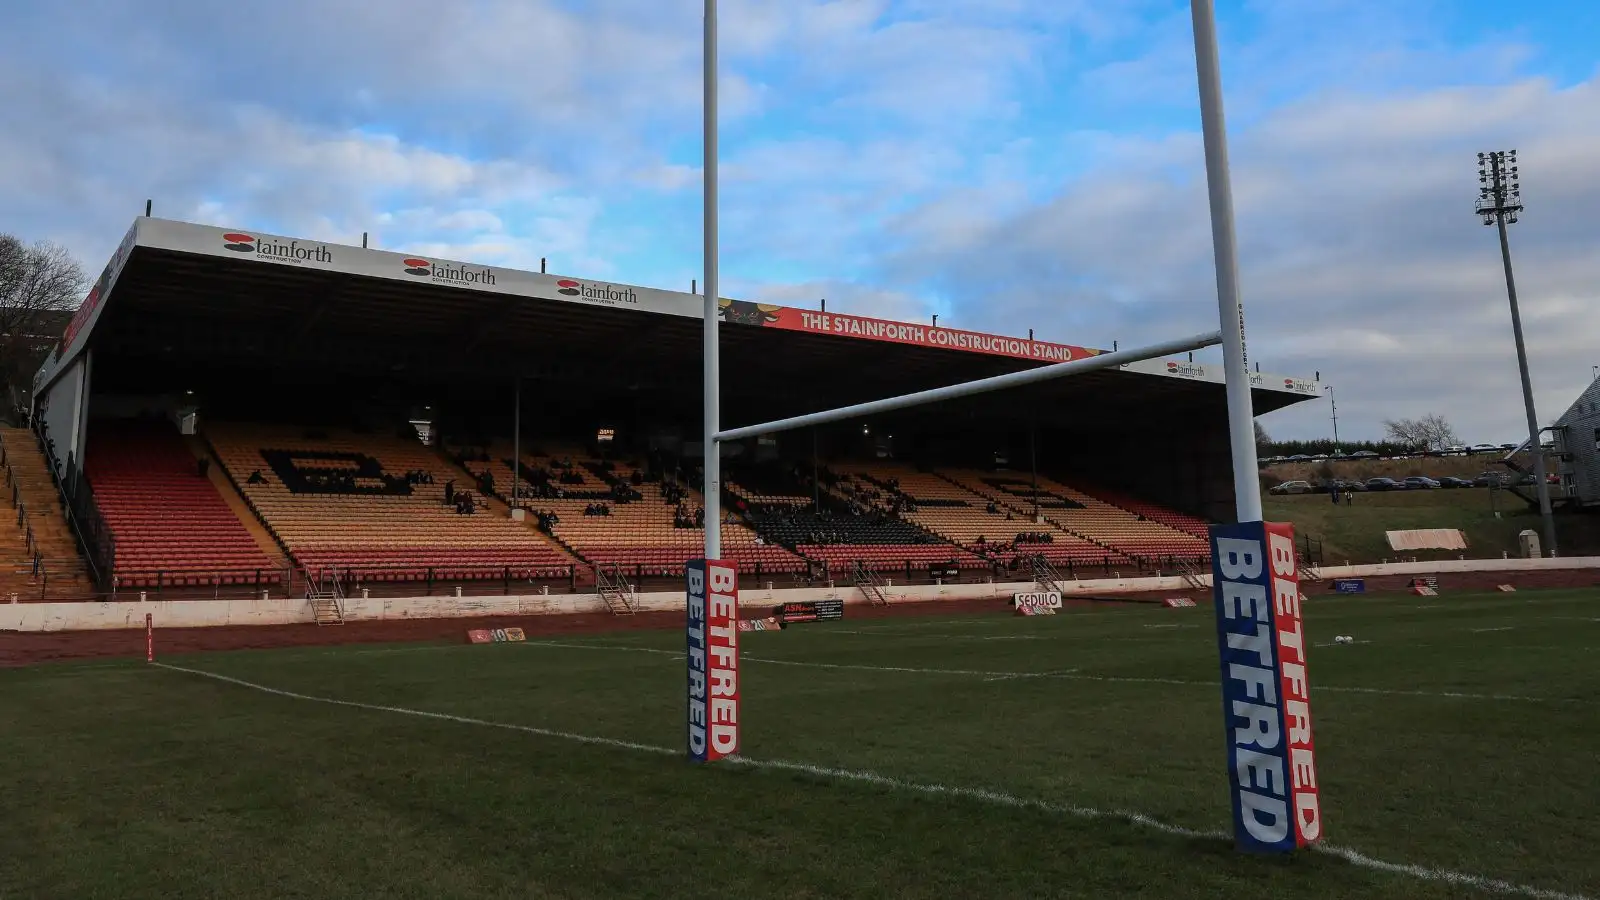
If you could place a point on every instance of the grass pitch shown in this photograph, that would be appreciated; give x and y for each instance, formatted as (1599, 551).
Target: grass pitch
(961, 757)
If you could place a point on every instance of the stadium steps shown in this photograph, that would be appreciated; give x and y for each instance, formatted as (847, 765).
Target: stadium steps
(1046, 577)
(1193, 577)
(65, 575)
(619, 596)
(326, 600)
(222, 480)
(870, 584)
(325, 611)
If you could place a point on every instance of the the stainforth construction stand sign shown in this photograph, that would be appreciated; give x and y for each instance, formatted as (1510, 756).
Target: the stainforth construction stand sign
(713, 650)
(1272, 770)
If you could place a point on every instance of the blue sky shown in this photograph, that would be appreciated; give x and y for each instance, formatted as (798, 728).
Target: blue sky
(1008, 164)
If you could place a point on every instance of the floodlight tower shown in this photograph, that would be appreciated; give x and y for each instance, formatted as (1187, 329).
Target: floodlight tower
(1335, 405)
(1499, 203)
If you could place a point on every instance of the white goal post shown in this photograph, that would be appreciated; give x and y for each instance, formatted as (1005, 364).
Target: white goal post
(1261, 645)
(1241, 415)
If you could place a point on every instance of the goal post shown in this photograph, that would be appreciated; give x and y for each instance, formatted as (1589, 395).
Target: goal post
(1255, 586)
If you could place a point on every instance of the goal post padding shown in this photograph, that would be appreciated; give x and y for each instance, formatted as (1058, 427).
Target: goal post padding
(712, 631)
(1265, 692)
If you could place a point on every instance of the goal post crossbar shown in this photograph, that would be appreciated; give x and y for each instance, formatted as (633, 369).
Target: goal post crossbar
(979, 386)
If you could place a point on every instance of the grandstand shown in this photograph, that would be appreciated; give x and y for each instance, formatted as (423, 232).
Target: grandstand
(172, 526)
(374, 507)
(338, 392)
(1113, 529)
(614, 514)
(979, 523)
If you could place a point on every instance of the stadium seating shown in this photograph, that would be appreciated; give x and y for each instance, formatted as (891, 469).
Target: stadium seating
(1185, 523)
(639, 537)
(377, 525)
(1071, 510)
(854, 525)
(172, 527)
(982, 526)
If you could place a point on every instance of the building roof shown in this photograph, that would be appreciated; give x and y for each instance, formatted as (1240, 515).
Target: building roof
(179, 297)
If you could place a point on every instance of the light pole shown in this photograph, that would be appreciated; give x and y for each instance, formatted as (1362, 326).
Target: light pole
(1335, 404)
(1499, 202)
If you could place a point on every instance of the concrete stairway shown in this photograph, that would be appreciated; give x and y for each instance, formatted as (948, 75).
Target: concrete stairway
(63, 574)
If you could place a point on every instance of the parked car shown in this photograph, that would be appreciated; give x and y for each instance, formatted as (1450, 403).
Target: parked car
(1364, 454)
(1484, 448)
(1420, 483)
(1492, 479)
(1384, 484)
(1352, 485)
(1291, 487)
(1450, 481)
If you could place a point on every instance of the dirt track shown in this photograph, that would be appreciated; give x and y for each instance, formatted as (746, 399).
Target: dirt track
(17, 649)
(23, 649)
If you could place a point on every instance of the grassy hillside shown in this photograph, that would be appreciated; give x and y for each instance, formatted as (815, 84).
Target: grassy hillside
(1356, 533)
(1433, 467)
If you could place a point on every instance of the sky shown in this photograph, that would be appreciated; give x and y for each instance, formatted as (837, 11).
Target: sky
(1006, 164)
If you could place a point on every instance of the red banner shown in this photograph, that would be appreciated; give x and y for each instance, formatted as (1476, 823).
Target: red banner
(813, 322)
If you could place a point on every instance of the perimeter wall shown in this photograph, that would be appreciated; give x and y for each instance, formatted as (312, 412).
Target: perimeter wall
(1472, 574)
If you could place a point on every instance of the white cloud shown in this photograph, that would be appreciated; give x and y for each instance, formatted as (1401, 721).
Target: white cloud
(1361, 257)
(1006, 163)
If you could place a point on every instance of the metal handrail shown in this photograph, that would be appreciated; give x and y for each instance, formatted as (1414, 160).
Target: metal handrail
(106, 542)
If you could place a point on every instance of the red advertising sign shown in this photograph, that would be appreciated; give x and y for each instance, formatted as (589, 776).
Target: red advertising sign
(1291, 652)
(768, 315)
(712, 629)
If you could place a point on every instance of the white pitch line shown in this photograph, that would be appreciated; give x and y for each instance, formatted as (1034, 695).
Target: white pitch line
(997, 798)
(1061, 673)
(1075, 675)
(1501, 628)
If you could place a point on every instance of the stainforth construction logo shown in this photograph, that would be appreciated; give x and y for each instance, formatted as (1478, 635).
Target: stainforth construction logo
(599, 293)
(449, 273)
(279, 251)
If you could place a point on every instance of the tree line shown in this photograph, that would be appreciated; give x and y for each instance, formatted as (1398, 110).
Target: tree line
(1430, 432)
(39, 284)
